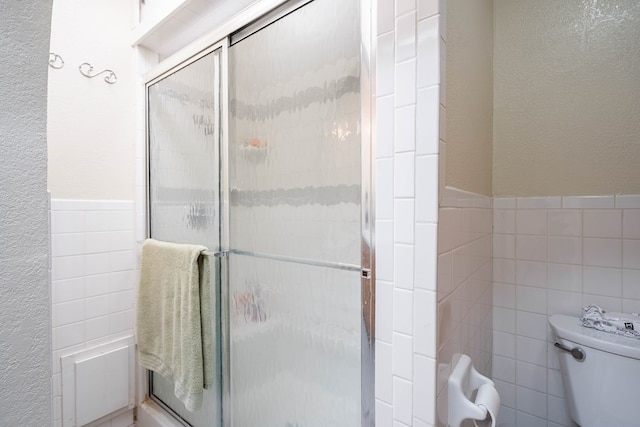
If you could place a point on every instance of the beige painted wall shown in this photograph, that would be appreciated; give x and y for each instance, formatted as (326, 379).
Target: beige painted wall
(566, 97)
(469, 95)
(91, 123)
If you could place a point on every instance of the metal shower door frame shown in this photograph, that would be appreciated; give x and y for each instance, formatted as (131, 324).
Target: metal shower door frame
(221, 40)
(219, 46)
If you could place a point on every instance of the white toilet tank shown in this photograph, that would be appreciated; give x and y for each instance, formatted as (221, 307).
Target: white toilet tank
(603, 388)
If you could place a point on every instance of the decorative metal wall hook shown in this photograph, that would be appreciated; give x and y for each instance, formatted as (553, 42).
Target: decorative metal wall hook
(55, 61)
(86, 69)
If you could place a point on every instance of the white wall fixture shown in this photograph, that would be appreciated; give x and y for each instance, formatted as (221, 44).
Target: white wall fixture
(98, 382)
(86, 70)
(55, 61)
(463, 382)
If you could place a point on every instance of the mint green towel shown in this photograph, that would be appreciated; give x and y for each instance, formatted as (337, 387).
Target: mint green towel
(174, 318)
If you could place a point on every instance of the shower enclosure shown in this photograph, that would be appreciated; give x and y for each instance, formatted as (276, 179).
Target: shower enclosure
(259, 149)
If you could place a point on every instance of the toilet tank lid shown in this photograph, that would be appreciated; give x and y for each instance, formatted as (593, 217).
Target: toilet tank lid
(569, 328)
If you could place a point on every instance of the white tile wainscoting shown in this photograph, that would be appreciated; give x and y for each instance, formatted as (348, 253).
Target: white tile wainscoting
(464, 286)
(93, 281)
(555, 255)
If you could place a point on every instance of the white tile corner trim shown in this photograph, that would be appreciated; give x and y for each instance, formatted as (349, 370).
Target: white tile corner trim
(407, 149)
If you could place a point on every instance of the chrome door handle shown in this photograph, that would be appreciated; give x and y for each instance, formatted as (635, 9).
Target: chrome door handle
(576, 352)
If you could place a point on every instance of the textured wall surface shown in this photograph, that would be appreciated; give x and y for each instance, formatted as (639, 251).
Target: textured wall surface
(25, 395)
(567, 98)
(91, 123)
(469, 75)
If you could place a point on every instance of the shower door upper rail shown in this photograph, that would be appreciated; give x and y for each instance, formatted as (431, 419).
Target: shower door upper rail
(276, 13)
(216, 37)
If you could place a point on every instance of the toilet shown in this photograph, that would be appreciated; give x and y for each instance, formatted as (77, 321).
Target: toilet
(600, 373)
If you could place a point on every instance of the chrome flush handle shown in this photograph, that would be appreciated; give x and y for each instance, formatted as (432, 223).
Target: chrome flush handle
(576, 352)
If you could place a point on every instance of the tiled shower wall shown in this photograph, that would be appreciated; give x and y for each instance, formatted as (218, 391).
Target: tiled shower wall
(407, 136)
(93, 276)
(555, 255)
(464, 286)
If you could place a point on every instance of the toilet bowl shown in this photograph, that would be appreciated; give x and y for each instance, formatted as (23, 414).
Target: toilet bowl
(600, 373)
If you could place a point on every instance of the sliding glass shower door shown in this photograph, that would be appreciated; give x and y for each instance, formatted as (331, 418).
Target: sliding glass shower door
(184, 193)
(284, 200)
(295, 220)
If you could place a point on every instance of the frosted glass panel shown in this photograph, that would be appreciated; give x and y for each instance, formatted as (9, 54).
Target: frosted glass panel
(295, 344)
(295, 135)
(184, 120)
(294, 173)
(184, 155)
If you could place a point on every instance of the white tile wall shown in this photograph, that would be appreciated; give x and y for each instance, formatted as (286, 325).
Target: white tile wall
(464, 323)
(407, 136)
(93, 281)
(554, 255)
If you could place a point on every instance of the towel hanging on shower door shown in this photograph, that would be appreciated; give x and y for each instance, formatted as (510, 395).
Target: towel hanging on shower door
(174, 319)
